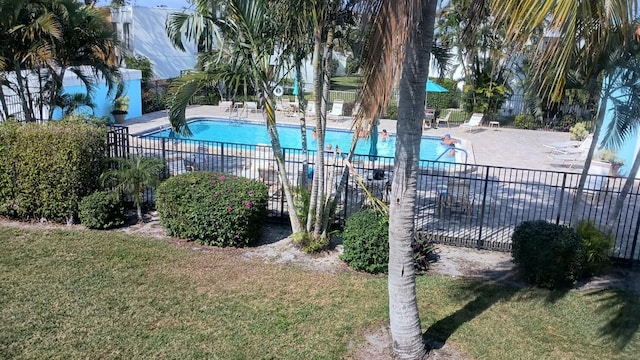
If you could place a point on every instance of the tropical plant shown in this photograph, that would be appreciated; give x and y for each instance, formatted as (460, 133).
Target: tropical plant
(585, 39)
(132, 176)
(120, 105)
(42, 43)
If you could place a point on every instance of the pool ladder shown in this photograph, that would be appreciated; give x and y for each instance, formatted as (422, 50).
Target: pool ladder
(466, 154)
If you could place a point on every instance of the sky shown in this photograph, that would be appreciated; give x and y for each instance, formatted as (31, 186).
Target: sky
(174, 4)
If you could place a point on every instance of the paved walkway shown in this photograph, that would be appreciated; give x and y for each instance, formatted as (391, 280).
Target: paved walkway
(489, 146)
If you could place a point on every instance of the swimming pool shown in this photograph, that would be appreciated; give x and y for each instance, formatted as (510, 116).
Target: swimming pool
(240, 132)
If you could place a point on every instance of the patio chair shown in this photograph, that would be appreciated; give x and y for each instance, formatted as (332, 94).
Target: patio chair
(200, 159)
(457, 196)
(443, 120)
(176, 166)
(225, 105)
(284, 105)
(270, 177)
(311, 109)
(474, 122)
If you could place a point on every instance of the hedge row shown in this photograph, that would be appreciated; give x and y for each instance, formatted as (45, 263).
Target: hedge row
(45, 170)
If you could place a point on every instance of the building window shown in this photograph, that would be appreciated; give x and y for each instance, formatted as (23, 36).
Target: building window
(126, 35)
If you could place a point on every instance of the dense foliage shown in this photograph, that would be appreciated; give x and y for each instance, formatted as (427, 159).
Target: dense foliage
(46, 169)
(597, 245)
(366, 241)
(101, 210)
(212, 208)
(548, 255)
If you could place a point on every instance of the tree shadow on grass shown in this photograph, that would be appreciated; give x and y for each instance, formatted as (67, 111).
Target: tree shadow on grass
(623, 310)
(482, 296)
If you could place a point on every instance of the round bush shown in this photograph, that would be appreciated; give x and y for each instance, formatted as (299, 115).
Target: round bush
(212, 208)
(101, 210)
(548, 255)
(365, 241)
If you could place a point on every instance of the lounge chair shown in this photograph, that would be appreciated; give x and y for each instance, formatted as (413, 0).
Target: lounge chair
(336, 109)
(569, 159)
(311, 109)
(201, 159)
(270, 177)
(474, 122)
(443, 120)
(571, 147)
(225, 105)
(251, 106)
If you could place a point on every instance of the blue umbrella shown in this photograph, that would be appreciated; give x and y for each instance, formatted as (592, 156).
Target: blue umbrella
(433, 87)
(373, 139)
(295, 85)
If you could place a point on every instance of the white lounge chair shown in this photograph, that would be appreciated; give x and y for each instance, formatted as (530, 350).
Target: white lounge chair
(336, 109)
(225, 105)
(569, 159)
(474, 122)
(251, 106)
(571, 147)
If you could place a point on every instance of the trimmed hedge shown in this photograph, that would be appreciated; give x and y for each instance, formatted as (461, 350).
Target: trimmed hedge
(212, 208)
(46, 169)
(548, 255)
(101, 210)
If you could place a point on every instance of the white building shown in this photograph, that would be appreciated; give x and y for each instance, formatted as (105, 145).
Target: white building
(141, 31)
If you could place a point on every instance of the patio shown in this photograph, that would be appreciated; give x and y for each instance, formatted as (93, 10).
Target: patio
(513, 180)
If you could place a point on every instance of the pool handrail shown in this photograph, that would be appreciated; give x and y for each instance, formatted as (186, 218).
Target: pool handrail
(466, 154)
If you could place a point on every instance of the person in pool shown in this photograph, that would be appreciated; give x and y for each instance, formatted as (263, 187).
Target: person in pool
(384, 134)
(448, 140)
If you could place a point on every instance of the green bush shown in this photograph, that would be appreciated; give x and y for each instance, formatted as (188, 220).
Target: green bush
(101, 210)
(46, 169)
(365, 241)
(526, 121)
(578, 131)
(548, 255)
(212, 208)
(392, 111)
(597, 245)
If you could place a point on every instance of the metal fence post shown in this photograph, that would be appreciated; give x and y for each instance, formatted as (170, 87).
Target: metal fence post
(480, 243)
(561, 201)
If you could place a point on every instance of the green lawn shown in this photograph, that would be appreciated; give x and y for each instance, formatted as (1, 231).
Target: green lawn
(346, 83)
(88, 294)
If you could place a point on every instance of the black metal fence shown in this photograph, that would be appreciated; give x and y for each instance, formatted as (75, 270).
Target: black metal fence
(459, 204)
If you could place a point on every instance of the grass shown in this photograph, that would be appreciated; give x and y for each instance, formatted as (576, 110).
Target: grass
(346, 83)
(73, 294)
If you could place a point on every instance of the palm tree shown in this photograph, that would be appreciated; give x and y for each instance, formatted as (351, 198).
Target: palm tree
(582, 33)
(132, 176)
(405, 31)
(250, 42)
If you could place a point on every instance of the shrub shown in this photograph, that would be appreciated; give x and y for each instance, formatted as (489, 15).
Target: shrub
(46, 169)
(392, 111)
(525, 121)
(101, 210)
(548, 255)
(597, 246)
(578, 131)
(365, 241)
(212, 208)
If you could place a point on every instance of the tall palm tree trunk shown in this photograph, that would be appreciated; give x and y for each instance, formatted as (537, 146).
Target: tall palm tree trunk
(578, 202)
(319, 160)
(22, 93)
(403, 308)
(279, 157)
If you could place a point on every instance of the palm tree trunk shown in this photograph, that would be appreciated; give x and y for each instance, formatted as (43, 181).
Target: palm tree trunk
(617, 209)
(279, 157)
(317, 87)
(403, 308)
(3, 101)
(22, 91)
(303, 127)
(578, 202)
(326, 85)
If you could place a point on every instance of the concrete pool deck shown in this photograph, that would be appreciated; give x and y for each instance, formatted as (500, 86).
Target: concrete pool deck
(490, 146)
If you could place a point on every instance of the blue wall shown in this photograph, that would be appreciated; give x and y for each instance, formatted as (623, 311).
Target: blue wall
(103, 100)
(629, 148)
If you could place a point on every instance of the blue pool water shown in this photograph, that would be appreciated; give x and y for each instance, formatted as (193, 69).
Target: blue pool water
(239, 132)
